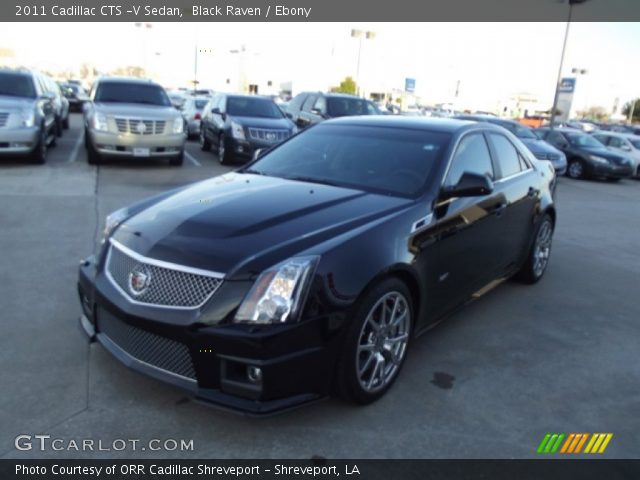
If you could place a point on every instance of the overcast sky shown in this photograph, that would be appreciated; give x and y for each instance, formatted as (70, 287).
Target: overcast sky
(491, 61)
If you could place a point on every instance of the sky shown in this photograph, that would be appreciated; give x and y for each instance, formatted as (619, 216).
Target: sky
(491, 61)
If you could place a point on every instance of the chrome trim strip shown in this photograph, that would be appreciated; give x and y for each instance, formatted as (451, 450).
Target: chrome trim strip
(163, 264)
(521, 172)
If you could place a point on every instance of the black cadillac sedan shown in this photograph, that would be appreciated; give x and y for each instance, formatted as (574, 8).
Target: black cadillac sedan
(310, 271)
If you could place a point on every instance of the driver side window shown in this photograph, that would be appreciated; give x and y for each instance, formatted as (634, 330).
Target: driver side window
(471, 156)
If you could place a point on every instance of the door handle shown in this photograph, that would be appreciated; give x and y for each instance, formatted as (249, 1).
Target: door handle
(498, 209)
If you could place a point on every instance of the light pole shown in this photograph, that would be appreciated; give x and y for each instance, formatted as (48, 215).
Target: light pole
(564, 46)
(359, 34)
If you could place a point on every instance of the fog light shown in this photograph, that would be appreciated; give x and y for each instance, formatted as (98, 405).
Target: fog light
(240, 148)
(254, 374)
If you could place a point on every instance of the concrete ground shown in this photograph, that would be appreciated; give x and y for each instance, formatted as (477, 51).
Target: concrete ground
(560, 356)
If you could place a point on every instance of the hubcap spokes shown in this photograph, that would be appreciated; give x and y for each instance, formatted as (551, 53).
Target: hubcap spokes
(383, 342)
(542, 248)
(575, 169)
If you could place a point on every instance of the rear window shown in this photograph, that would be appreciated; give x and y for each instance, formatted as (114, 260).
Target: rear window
(200, 104)
(252, 107)
(17, 85)
(345, 106)
(132, 93)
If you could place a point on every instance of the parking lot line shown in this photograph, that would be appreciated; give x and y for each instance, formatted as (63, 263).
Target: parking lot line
(76, 148)
(192, 159)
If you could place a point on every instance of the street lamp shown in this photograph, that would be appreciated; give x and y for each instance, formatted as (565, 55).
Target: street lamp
(564, 46)
(359, 34)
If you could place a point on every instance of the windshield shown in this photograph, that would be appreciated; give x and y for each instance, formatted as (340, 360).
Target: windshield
(16, 85)
(132, 93)
(582, 140)
(200, 104)
(346, 106)
(384, 160)
(518, 130)
(635, 143)
(252, 107)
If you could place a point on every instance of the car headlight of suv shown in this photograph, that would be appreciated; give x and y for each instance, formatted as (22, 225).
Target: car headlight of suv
(598, 159)
(99, 122)
(28, 119)
(279, 293)
(178, 125)
(237, 131)
(113, 220)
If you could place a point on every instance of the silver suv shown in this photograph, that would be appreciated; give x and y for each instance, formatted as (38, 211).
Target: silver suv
(27, 116)
(128, 117)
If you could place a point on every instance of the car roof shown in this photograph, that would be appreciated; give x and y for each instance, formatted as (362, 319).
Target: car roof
(142, 81)
(449, 125)
(485, 118)
(16, 71)
(246, 95)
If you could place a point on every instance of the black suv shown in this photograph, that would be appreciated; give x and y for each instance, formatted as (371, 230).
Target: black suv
(238, 125)
(309, 108)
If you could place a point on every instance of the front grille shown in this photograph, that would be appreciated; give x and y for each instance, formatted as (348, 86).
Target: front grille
(134, 126)
(268, 135)
(4, 118)
(167, 287)
(155, 350)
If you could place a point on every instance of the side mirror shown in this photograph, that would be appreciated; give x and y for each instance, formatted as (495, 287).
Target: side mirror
(317, 111)
(469, 185)
(215, 111)
(626, 148)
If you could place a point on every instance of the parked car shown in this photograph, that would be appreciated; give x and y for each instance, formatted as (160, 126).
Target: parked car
(60, 104)
(312, 269)
(192, 113)
(541, 149)
(586, 156)
(76, 95)
(27, 115)
(238, 125)
(130, 117)
(177, 98)
(310, 108)
(625, 143)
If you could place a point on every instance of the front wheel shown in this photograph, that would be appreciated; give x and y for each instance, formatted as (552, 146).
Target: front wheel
(224, 155)
(177, 160)
(538, 257)
(39, 153)
(376, 342)
(205, 145)
(575, 169)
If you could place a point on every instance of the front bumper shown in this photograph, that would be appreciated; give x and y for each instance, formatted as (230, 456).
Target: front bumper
(18, 141)
(127, 145)
(246, 148)
(193, 127)
(214, 363)
(610, 170)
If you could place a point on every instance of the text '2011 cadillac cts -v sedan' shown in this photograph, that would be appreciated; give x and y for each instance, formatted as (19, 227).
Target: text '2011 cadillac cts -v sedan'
(309, 271)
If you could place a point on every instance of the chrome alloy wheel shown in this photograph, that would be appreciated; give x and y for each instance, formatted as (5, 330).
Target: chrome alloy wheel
(383, 342)
(575, 169)
(542, 248)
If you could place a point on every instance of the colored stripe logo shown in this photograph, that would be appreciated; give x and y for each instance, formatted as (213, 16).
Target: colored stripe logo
(574, 443)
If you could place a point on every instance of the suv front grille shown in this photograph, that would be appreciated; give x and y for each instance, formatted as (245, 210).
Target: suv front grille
(164, 285)
(4, 118)
(136, 126)
(268, 135)
(150, 348)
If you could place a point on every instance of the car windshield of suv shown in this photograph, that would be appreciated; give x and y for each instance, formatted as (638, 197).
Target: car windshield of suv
(346, 106)
(132, 93)
(389, 161)
(518, 130)
(252, 107)
(16, 85)
(635, 143)
(582, 140)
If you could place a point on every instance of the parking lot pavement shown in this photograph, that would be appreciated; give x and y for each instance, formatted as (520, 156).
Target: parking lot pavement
(560, 356)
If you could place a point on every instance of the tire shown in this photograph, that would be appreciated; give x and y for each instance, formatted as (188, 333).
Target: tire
(177, 160)
(65, 123)
(575, 169)
(205, 145)
(366, 374)
(532, 271)
(39, 153)
(58, 127)
(224, 155)
(613, 179)
(93, 157)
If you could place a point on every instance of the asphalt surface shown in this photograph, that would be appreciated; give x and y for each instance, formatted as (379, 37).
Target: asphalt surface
(560, 356)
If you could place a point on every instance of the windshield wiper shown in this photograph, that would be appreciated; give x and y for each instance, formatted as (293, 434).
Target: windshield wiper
(321, 181)
(255, 172)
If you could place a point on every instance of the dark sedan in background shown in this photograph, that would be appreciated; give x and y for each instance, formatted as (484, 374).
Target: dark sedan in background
(310, 108)
(586, 156)
(541, 149)
(289, 280)
(238, 125)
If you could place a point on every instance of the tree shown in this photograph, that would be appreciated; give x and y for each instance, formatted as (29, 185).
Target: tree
(130, 71)
(594, 113)
(348, 85)
(632, 105)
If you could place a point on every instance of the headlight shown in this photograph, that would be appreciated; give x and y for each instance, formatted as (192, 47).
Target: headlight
(99, 122)
(598, 159)
(178, 125)
(294, 130)
(279, 292)
(113, 220)
(28, 118)
(237, 131)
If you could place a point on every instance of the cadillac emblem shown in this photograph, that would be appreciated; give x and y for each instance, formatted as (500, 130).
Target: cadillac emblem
(141, 128)
(270, 136)
(139, 280)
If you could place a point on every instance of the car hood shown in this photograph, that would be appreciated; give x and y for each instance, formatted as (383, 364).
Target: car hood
(239, 224)
(259, 122)
(604, 152)
(9, 103)
(539, 146)
(137, 110)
